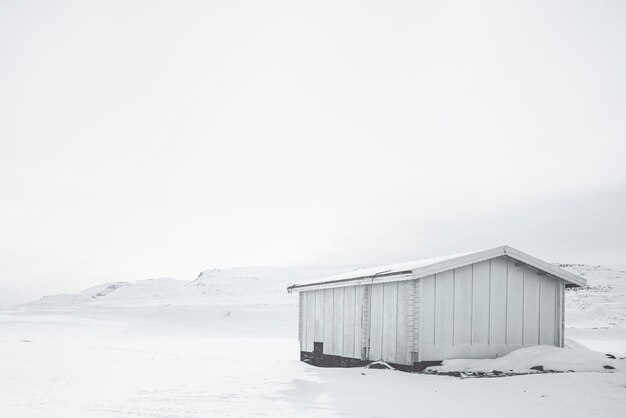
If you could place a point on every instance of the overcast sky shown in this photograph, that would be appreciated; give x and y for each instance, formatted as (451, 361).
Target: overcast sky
(159, 139)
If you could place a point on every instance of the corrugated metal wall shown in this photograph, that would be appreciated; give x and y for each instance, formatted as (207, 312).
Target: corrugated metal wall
(488, 309)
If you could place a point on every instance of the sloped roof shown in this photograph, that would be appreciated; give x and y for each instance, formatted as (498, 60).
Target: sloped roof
(426, 267)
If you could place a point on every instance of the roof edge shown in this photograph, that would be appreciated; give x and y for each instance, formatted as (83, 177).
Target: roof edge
(547, 267)
(461, 261)
(353, 281)
(446, 265)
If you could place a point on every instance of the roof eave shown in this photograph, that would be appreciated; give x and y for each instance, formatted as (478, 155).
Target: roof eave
(505, 250)
(462, 261)
(353, 281)
(570, 278)
(547, 267)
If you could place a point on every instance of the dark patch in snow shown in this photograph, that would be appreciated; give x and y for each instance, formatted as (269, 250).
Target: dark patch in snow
(494, 373)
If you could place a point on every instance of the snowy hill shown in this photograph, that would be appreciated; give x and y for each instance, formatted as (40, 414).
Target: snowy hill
(595, 315)
(246, 285)
(602, 302)
(110, 293)
(215, 287)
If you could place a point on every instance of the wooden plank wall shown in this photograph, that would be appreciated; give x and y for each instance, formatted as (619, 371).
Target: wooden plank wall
(487, 309)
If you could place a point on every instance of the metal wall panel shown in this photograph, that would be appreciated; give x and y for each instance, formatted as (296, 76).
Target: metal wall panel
(481, 274)
(376, 322)
(427, 310)
(303, 308)
(359, 320)
(319, 316)
(328, 321)
(515, 304)
(561, 313)
(349, 317)
(402, 340)
(548, 311)
(444, 307)
(498, 300)
(310, 320)
(532, 289)
(338, 321)
(390, 321)
(463, 305)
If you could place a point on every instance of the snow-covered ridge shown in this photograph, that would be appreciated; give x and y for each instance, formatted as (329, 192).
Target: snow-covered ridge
(214, 287)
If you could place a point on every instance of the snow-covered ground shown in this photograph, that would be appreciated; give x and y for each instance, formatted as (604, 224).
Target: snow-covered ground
(226, 345)
(596, 315)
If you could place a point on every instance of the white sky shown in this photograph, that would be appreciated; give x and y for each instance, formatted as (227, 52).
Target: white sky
(151, 139)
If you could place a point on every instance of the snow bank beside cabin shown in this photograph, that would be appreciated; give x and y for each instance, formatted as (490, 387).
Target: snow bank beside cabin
(533, 360)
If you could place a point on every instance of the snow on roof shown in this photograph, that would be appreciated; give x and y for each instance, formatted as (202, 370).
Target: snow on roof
(425, 267)
(386, 270)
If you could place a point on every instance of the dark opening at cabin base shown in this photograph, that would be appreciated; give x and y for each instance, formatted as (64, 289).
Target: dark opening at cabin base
(319, 359)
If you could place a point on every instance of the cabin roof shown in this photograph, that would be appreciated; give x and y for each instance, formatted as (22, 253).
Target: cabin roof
(425, 267)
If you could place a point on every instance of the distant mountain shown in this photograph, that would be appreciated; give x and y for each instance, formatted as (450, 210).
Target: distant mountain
(111, 293)
(215, 287)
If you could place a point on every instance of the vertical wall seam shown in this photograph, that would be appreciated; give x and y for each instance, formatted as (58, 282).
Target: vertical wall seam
(304, 320)
(524, 272)
(539, 324)
(435, 311)
(419, 320)
(301, 297)
(343, 322)
(354, 352)
(314, 314)
(332, 334)
(560, 313)
(489, 308)
(453, 303)
(472, 311)
(366, 321)
(506, 305)
(382, 319)
(557, 315)
(323, 293)
(396, 348)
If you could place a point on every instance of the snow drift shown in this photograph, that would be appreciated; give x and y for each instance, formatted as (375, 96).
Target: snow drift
(535, 359)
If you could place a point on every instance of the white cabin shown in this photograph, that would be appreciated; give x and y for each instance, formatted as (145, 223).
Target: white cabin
(482, 304)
